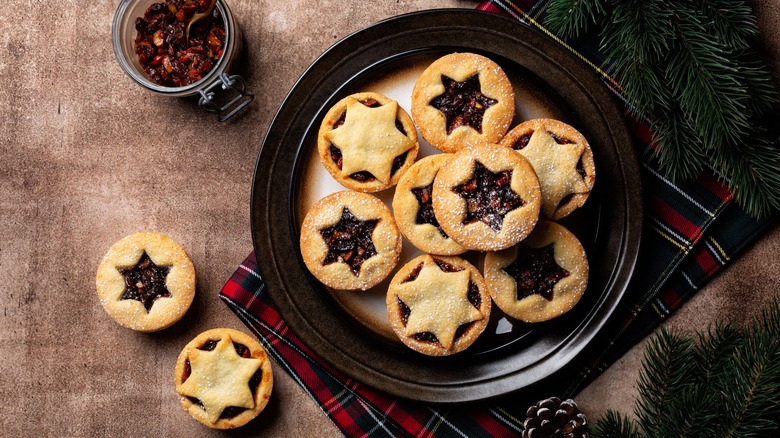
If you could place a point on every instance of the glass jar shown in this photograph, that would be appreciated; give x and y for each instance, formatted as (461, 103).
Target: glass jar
(217, 80)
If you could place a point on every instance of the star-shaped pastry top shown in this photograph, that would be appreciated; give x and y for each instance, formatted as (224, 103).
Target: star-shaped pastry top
(462, 103)
(369, 139)
(349, 241)
(555, 163)
(535, 271)
(145, 282)
(489, 196)
(438, 302)
(220, 378)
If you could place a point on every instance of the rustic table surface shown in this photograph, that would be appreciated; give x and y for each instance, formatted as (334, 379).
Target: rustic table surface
(87, 157)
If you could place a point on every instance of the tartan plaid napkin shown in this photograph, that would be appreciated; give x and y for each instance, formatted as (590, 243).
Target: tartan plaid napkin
(692, 231)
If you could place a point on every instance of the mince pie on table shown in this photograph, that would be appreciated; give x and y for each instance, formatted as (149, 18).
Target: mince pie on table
(542, 277)
(486, 197)
(224, 378)
(563, 161)
(350, 241)
(413, 208)
(462, 99)
(367, 141)
(146, 282)
(438, 305)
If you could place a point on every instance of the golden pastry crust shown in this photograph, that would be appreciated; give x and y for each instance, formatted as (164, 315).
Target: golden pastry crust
(329, 214)
(563, 161)
(438, 305)
(364, 130)
(568, 254)
(455, 213)
(493, 84)
(223, 374)
(163, 252)
(406, 207)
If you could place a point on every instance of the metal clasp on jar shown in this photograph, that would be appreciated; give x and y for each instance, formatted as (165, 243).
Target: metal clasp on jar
(228, 83)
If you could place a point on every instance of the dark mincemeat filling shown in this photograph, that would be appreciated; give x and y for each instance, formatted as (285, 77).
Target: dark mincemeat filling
(364, 176)
(581, 169)
(446, 267)
(522, 142)
(535, 271)
(162, 47)
(145, 282)
(349, 241)
(425, 212)
(413, 275)
(462, 103)
(489, 197)
(241, 349)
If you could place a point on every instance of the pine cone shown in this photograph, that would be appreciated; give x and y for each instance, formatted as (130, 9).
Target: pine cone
(554, 418)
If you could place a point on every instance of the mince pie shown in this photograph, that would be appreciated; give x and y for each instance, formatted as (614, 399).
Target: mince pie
(224, 378)
(413, 208)
(366, 141)
(486, 197)
(462, 99)
(146, 282)
(349, 240)
(563, 162)
(542, 277)
(438, 305)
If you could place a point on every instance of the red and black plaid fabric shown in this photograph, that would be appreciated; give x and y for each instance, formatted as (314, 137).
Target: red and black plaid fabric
(692, 231)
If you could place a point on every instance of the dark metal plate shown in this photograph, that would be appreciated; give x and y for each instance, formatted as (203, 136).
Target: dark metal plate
(503, 360)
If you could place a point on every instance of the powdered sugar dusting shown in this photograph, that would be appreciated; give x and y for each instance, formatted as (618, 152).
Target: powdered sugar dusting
(180, 281)
(369, 306)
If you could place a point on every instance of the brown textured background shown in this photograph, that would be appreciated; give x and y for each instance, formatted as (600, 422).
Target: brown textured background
(87, 157)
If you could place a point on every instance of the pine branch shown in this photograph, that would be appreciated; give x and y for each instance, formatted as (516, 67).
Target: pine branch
(571, 18)
(714, 350)
(754, 399)
(769, 320)
(615, 425)
(664, 370)
(697, 409)
(727, 384)
(638, 52)
(689, 67)
(683, 153)
(757, 78)
(732, 23)
(692, 413)
(639, 26)
(703, 78)
(752, 167)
